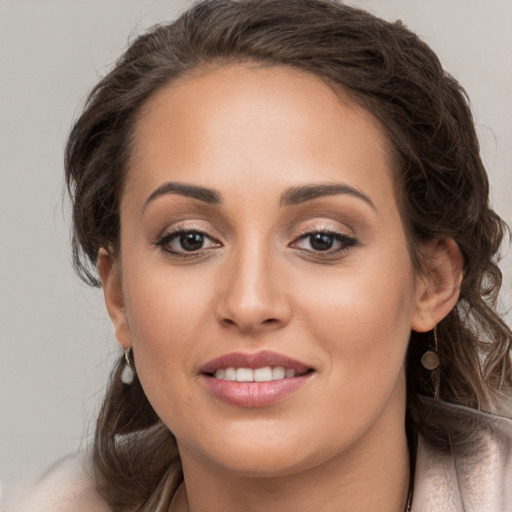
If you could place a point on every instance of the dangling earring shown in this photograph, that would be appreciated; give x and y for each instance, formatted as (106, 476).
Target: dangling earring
(128, 373)
(430, 361)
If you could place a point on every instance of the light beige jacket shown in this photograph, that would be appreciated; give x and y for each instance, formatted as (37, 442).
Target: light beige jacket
(460, 481)
(478, 481)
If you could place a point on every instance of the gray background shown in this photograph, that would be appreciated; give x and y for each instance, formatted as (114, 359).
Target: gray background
(56, 344)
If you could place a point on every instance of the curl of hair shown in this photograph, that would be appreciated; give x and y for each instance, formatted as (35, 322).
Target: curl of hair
(442, 191)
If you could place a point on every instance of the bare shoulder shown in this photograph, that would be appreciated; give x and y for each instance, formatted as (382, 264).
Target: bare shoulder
(64, 487)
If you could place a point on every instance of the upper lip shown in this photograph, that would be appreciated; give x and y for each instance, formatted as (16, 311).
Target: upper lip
(253, 361)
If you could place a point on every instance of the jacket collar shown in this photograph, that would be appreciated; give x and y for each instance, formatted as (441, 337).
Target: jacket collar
(476, 478)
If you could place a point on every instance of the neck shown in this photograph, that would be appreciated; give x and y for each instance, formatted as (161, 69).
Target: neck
(372, 475)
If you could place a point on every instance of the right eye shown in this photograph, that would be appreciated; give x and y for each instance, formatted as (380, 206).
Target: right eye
(186, 242)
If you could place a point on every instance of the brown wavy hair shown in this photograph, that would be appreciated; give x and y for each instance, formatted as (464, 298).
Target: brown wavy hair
(442, 189)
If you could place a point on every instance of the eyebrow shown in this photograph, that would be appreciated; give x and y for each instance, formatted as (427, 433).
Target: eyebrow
(204, 194)
(301, 194)
(291, 197)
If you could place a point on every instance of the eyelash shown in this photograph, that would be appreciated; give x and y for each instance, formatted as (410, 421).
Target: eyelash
(345, 242)
(165, 240)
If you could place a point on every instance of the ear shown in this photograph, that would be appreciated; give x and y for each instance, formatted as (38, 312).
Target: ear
(438, 286)
(110, 274)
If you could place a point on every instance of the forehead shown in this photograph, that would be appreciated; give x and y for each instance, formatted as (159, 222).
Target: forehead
(230, 124)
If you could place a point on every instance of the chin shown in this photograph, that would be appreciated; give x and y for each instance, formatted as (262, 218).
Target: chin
(260, 451)
(270, 464)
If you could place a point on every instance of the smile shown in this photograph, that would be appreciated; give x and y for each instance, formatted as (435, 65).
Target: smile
(254, 380)
(265, 374)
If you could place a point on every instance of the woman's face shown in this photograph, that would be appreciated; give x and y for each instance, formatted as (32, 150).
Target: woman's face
(260, 237)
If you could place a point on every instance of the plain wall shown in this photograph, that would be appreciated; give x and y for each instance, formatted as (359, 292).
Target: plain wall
(56, 343)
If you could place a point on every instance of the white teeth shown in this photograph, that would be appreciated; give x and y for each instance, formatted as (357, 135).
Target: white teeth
(230, 374)
(244, 375)
(278, 373)
(264, 374)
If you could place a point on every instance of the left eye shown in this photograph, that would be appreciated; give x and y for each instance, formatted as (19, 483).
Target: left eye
(183, 242)
(324, 242)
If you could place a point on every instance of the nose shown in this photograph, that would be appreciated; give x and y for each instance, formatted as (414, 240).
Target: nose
(252, 297)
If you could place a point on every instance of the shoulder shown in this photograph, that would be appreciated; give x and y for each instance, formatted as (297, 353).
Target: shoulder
(64, 487)
(473, 477)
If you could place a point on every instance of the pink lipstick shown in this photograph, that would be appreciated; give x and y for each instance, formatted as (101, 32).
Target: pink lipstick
(254, 380)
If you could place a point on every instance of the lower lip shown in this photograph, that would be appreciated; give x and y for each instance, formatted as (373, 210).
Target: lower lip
(254, 394)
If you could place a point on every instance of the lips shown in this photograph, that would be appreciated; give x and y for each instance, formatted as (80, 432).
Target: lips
(254, 361)
(254, 380)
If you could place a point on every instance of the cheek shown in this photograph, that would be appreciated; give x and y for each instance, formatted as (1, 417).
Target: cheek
(166, 314)
(161, 313)
(363, 319)
(363, 328)
(162, 297)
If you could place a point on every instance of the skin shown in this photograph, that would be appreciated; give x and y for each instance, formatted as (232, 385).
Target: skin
(251, 133)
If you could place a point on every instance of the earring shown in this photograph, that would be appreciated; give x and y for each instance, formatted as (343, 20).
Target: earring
(430, 359)
(128, 373)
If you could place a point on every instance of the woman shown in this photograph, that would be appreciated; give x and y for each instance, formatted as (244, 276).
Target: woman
(285, 205)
